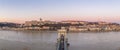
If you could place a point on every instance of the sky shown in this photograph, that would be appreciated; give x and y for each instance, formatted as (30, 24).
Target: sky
(19, 11)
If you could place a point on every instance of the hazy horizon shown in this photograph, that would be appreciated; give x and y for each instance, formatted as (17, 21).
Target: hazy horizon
(19, 11)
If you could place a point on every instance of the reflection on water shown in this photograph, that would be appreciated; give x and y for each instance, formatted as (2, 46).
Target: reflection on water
(46, 40)
(28, 36)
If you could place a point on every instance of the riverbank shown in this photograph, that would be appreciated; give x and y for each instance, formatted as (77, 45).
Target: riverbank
(56, 31)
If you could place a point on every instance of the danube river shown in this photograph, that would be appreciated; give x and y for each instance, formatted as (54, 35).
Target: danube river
(46, 40)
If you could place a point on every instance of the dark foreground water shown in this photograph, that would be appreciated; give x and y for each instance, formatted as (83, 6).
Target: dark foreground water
(46, 40)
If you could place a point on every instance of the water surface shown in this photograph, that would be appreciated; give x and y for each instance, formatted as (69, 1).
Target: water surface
(46, 40)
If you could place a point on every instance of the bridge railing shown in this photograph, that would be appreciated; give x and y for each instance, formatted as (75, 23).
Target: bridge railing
(59, 45)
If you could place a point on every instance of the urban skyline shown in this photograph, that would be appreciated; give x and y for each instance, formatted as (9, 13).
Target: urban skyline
(19, 11)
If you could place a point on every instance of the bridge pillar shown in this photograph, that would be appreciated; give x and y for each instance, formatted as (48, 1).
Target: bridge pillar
(62, 41)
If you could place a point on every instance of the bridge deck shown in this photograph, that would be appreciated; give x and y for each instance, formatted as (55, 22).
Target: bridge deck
(62, 43)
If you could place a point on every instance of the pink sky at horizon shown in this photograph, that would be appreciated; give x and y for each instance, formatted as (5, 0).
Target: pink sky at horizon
(53, 18)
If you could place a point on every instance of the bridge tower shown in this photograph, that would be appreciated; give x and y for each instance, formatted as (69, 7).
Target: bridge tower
(62, 32)
(62, 41)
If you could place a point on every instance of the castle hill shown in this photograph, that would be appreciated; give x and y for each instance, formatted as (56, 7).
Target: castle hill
(70, 25)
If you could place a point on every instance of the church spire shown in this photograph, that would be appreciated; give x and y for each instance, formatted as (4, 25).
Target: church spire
(40, 19)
